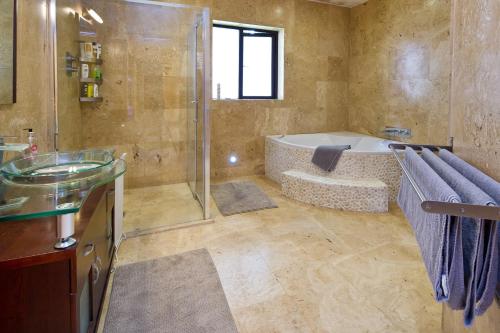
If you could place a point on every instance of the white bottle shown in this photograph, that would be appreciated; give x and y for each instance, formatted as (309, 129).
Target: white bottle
(96, 90)
(33, 147)
(85, 71)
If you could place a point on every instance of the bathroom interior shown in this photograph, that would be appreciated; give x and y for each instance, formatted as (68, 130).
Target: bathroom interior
(249, 166)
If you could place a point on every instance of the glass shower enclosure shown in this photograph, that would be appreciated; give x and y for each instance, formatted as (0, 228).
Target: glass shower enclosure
(133, 76)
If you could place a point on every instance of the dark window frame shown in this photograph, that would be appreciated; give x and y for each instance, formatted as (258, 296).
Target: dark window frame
(273, 34)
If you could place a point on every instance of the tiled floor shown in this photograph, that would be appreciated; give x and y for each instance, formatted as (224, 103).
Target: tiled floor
(159, 206)
(299, 268)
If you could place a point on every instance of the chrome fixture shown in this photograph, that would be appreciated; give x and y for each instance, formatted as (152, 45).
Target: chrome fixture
(488, 213)
(70, 66)
(65, 231)
(397, 132)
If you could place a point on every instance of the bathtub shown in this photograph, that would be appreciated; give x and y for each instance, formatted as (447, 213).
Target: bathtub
(368, 159)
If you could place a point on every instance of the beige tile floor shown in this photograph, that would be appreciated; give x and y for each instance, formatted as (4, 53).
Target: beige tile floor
(159, 206)
(300, 268)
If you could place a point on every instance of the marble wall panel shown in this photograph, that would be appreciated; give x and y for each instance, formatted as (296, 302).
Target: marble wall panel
(399, 68)
(475, 113)
(140, 94)
(31, 109)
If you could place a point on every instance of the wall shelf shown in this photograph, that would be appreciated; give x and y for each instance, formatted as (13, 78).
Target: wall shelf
(90, 80)
(91, 61)
(91, 99)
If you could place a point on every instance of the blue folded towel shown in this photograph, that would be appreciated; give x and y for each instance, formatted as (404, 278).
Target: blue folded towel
(480, 248)
(438, 236)
(326, 157)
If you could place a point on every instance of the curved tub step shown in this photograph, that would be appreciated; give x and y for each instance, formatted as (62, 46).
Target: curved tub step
(362, 195)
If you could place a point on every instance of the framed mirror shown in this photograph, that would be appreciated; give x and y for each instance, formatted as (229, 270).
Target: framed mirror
(8, 12)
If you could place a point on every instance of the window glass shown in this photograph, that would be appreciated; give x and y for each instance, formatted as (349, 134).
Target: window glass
(257, 66)
(225, 63)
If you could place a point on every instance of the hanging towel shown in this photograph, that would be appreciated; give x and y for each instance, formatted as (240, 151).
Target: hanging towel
(438, 236)
(484, 182)
(480, 248)
(327, 157)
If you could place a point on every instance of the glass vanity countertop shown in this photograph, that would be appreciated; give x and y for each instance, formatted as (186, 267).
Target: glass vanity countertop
(21, 200)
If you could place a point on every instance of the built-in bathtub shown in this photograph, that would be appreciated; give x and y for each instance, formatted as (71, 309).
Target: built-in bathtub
(368, 159)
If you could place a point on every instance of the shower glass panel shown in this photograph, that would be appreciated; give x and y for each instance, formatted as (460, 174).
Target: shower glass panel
(131, 76)
(197, 121)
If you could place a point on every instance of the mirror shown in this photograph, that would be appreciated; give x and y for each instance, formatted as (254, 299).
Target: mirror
(7, 51)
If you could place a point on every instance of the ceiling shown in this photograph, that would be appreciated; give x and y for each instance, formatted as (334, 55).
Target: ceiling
(343, 3)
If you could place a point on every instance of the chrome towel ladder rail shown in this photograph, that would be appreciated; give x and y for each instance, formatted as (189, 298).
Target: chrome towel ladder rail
(438, 207)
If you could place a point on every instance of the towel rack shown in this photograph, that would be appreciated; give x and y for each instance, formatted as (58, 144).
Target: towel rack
(439, 207)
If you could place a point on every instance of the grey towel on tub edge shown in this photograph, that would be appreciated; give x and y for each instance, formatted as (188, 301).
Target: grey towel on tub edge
(438, 236)
(480, 246)
(327, 156)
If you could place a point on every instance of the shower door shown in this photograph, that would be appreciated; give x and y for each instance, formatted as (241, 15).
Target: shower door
(198, 145)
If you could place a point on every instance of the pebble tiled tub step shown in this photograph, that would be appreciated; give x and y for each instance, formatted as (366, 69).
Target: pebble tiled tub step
(363, 195)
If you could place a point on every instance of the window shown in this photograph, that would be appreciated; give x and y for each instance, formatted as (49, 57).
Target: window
(245, 63)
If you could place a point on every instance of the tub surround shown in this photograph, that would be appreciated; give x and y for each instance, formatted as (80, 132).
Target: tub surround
(366, 195)
(369, 160)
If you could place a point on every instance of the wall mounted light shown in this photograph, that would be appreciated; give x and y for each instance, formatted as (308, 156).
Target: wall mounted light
(233, 159)
(96, 17)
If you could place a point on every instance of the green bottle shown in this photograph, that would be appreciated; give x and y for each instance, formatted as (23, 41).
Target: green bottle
(97, 73)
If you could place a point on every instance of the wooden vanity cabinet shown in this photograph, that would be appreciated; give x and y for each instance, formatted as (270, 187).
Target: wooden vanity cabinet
(47, 290)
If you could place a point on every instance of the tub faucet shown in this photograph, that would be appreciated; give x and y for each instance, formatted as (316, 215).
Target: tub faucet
(397, 132)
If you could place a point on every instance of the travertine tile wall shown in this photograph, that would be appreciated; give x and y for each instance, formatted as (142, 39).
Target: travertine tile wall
(475, 112)
(69, 113)
(145, 114)
(475, 102)
(316, 68)
(400, 68)
(144, 90)
(31, 109)
(6, 50)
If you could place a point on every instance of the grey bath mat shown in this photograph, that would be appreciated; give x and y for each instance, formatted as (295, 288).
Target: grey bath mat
(240, 197)
(177, 294)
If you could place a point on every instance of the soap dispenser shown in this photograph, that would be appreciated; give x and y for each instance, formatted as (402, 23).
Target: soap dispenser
(33, 148)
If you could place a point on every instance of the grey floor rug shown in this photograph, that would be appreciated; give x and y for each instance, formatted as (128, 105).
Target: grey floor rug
(240, 197)
(177, 294)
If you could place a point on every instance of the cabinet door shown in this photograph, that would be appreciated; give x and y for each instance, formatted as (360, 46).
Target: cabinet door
(94, 260)
(36, 299)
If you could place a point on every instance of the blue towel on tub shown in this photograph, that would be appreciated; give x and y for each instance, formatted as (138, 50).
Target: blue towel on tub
(438, 236)
(480, 246)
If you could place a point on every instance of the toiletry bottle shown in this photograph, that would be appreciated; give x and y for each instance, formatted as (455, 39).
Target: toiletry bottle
(96, 90)
(98, 51)
(97, 73)
(85, 90)
(90, 91)
(33, 148)
(85, 71)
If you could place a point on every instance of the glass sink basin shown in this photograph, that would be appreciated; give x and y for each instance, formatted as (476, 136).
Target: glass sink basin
(19, 147)
(56, 167)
